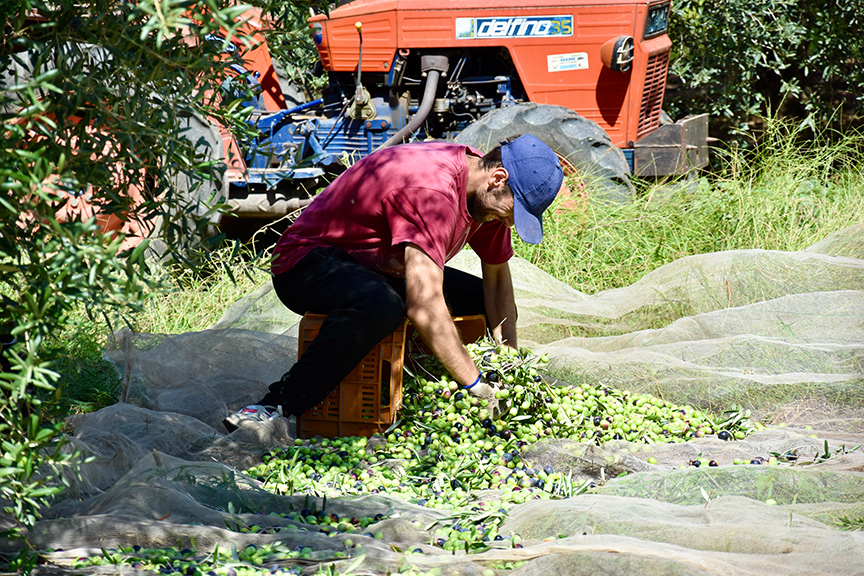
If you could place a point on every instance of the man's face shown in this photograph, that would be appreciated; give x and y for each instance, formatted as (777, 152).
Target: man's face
(494, 201)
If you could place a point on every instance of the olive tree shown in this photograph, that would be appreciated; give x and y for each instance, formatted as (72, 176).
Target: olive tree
(102, 103)
(741, 59)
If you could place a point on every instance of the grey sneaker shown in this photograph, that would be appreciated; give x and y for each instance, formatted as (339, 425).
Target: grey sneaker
(252, 414)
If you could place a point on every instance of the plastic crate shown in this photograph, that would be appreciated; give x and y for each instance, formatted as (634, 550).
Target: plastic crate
(366, 401)
(471, 329)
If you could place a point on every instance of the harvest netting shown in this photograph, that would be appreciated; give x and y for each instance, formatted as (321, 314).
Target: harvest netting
(597, 477)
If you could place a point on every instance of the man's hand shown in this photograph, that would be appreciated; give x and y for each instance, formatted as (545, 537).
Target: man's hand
(486, 390)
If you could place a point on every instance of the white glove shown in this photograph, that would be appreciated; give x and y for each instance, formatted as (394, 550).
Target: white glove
(486, 390)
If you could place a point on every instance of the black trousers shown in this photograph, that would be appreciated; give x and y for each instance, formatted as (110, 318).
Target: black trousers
(362, 308)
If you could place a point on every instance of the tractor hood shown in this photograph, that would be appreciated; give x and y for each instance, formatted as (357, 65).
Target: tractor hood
(390, 25)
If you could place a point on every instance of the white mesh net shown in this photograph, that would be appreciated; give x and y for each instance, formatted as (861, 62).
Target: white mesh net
(779, 333)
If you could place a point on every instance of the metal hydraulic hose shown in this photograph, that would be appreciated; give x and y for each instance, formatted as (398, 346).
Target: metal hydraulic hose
(434, 66)
(422, 112)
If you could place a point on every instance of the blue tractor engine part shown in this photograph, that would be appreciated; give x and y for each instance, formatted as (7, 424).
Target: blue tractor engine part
(290, 142)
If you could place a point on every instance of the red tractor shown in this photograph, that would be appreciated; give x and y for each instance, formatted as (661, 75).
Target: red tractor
(586, 77)
(583, 76)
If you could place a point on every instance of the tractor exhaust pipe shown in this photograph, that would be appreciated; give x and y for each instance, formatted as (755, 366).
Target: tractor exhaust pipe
(433, 67)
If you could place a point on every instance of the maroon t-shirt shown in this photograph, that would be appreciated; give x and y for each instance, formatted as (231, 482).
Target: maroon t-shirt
(410, 193)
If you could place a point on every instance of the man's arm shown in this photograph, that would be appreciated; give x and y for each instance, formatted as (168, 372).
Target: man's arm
(424, 283)
(500, 302)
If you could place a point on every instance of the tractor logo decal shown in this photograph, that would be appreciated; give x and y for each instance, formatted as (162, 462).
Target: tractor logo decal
(515, 27)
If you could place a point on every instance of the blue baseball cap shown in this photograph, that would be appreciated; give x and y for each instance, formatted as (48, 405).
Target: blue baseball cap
(535, 176)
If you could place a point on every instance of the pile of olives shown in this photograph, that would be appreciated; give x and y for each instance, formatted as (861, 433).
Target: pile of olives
(446, 446)
(448, 450)
(249, 561)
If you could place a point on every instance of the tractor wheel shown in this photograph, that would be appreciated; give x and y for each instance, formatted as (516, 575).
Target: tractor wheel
(190, 217)
(580, 143)
(293, 94)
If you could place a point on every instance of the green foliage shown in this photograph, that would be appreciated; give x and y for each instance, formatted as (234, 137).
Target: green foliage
(851, 523)
(785, 195)
(88, 380)
(188, 301)
(94, 98)
(744, 58)
(291, 46)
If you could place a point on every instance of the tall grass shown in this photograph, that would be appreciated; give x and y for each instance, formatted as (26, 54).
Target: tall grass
(190, 302)
(784, 195)
(195, 301)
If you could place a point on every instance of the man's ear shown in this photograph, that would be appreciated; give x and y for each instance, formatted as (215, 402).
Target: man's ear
(498, 178)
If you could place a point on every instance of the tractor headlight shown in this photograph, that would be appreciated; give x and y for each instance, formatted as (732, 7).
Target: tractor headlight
(657, 20)
(617, 53)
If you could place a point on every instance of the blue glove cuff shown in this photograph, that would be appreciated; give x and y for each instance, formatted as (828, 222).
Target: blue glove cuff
(475, 382)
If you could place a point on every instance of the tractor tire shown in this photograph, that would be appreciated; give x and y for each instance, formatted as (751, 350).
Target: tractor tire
(578, 141)
(191, 217)
(293, 94)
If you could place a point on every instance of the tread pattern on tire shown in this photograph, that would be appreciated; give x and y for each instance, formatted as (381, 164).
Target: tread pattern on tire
(579, 140)
(197, 193)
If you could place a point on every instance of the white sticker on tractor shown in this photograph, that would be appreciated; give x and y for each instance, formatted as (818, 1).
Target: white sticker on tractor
(561, 62)
(514, 27)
